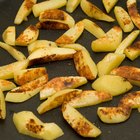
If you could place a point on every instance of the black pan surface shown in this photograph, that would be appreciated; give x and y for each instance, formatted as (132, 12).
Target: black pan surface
(129, 130)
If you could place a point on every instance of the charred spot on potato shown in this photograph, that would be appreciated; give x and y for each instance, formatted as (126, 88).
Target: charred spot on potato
(28, 4)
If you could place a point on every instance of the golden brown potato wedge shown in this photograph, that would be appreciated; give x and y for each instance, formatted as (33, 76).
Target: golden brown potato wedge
(79, 123)
(7, 71)
(28, 124)
(26, 91)
(9, 35)
(46, 5)
(29, 35)
(94, 12)
(109, 42)
(22, 77)
(71, 35)
(60, 83)
(133, 12)
(56, 100)
(123, 19)
(24, 10)
(2, 106)
(131, 73)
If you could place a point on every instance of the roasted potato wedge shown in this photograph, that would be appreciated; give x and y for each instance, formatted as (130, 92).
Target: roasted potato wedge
(60, 83)
(29, 35)
(89, 98)
(93, 28)
(79, 123)
(109, 42)
(115, 85)
(127, 42)
(71, 35)
(133, 12)
(56, 100)
(26, 91)
(55, 15)
(123, 19)
(114, 114)
(22, 77)
(131, 73)
(2, 106)
(7, 71)
(46, 5)
(24, 10)
(28, 124)
(48, 54)
(109, 62)
(94, 12)
(109, 4)
(9, 35)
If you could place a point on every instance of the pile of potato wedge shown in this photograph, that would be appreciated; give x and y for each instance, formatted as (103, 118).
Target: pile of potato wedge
(108, 77)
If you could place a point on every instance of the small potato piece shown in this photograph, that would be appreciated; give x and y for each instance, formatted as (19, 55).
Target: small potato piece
(123, 19)
(22, 77)
(2, 106)
(109, 42)
(29, 35)
(109, 62)
(7, 71)
(114, 114)
(28, 124)
(26, 91)
(60, 83)
(9, 35)
(94, 12)
(71, 35)
(127, 42)
(46, 5)
(93, 28)
(79, 123)
(115, 85)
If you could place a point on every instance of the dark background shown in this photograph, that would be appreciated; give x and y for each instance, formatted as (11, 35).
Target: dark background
(129, 130)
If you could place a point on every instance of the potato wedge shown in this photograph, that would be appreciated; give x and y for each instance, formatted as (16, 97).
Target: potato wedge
(84, 64)
(89, 98)
(109, 42)
(109, 62)
(133, 51)
(29, 35)
(115, 85)
(72, 5)
(46, 5)
(2, 106)
(123, 19)
(79, 123)
(127, 41)
(40, 44)
(131, 73)
(48, 54)
(28, 124)
(6, 85)
(114, 114)
(55, 15)
(26, 91)
(60, 83)
(24, 10)
(94, 12)
(93, 28)
(9, 35)
(12, 51)
(109, 4)
(133, 12)
(56, 100)
(7, 71)
(71, 35)
(22, 77)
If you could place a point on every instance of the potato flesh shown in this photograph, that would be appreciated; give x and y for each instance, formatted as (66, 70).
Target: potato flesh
(2, 106)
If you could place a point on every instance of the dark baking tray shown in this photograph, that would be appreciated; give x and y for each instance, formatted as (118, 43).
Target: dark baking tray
(129, 130)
